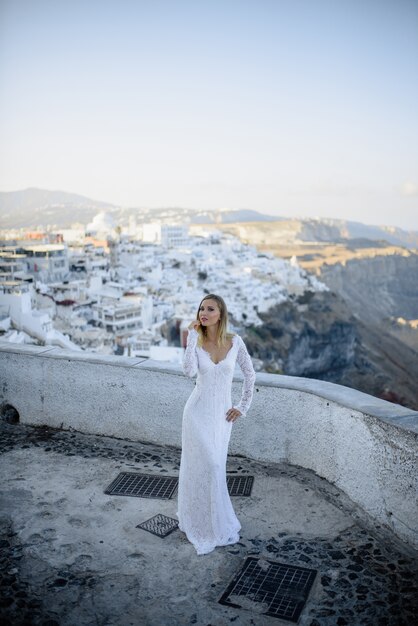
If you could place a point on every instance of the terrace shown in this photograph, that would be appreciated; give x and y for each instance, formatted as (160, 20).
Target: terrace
(334, 493)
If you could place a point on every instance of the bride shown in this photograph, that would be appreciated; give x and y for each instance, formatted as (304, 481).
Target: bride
(205, 510)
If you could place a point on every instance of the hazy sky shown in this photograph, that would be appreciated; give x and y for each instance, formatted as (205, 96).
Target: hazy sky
(290, 107)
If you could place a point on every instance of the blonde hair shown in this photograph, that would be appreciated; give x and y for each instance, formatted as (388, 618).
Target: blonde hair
(222, 335)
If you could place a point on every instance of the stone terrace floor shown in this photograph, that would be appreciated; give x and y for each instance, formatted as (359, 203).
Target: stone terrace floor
(72, 555)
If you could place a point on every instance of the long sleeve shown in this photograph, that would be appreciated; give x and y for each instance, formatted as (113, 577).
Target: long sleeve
(190, 363)
(247, 368)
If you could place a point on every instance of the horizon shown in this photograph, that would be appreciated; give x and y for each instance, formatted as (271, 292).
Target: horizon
(279, 216)
(289, 109)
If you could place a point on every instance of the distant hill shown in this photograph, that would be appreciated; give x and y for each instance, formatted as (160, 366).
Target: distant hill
(40, 207)
(225, 216)
(33, 198)
(285, 232)
(178, 215)
(326, 230)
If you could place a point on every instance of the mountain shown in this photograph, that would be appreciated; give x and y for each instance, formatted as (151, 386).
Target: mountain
(228, 216)
(32, 198)
(34, 207)
(40, 207)
(177, 215)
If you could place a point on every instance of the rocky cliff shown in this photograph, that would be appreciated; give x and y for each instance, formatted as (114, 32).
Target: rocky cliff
(317, 336)
(376, 288)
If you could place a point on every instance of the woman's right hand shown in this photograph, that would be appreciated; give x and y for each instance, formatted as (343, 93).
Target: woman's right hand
(194, 325)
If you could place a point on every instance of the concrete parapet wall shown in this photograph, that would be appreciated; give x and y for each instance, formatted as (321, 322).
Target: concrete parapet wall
(365, 446)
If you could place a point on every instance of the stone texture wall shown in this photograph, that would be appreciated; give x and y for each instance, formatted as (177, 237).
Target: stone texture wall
(365, 446)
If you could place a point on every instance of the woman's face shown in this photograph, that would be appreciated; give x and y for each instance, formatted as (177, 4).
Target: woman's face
(209, 313)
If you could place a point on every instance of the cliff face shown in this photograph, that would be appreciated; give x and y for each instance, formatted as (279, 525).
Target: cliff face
(317, 336)
(377, 291)
(312, 336)
(378, 287)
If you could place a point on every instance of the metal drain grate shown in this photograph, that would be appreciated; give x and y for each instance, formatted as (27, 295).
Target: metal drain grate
(151, 486)
(239, 485)
(143, 485)
(270, 588)
(160, 525)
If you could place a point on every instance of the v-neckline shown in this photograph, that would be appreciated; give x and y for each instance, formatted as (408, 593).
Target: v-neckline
(225, 357)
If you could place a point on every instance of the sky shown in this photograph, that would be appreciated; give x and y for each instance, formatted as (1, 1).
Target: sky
(297, 108)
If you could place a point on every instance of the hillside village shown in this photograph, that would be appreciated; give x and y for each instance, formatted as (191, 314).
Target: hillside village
(133, 291)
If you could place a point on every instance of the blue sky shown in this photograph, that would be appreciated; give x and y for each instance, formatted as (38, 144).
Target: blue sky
(294, 108)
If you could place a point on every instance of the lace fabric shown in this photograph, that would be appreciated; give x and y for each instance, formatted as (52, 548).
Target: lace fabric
(191, 367)
(205, 510)
(247, 368)
(190, 363)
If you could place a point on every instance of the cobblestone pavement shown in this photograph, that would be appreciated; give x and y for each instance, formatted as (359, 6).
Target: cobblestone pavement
(365, 575)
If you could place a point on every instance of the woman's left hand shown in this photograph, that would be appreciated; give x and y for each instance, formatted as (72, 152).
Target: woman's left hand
(232, 415)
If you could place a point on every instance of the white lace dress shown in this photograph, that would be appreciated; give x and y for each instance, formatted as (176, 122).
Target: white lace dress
(205, 510)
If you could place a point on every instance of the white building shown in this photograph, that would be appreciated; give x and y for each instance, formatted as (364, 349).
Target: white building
(151, 232)
(15, 298)
(125, 316)
(75, 290)
(15, 301)
(139, 345)
(73, 235)
(168, 235)
(48, 262)
(12, 266)
(174, 236)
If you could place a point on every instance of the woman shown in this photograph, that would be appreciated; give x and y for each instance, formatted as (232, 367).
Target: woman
(205, 510)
